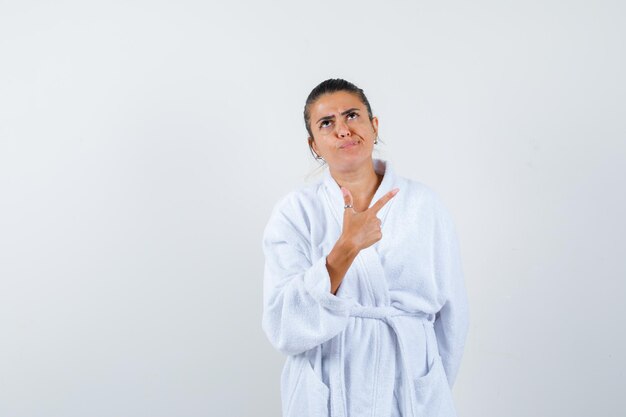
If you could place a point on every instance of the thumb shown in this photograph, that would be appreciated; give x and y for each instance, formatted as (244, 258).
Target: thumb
(347, 199)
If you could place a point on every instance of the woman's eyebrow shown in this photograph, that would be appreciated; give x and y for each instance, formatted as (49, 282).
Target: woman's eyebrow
(342, 113)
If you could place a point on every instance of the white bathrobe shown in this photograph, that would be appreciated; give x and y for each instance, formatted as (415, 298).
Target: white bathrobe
(390, 342)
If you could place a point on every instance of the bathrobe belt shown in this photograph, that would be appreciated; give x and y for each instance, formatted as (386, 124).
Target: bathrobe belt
(386, 314)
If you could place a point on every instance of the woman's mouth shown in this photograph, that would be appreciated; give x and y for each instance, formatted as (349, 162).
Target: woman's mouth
(350, 144)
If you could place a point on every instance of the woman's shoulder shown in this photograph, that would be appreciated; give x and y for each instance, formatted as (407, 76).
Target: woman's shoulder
(424, 197)
(298, 205)
(419, 191)
(293, 213)
(299, 198)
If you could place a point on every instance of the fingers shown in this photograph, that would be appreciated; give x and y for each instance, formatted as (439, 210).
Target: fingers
(347, 198)
(384, 199)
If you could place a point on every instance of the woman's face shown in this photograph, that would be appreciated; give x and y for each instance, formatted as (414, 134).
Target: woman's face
(342, 133)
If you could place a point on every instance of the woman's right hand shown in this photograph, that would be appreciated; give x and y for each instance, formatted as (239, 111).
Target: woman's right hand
(363, 229)
(360, 230)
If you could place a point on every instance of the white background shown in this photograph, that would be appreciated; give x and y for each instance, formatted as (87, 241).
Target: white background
(144, 144)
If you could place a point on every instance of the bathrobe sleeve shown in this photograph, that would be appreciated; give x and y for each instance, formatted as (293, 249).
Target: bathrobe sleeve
(299, 311)
(452, 320)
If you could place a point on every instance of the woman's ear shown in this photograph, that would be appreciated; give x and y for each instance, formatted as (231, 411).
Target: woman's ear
(375, 124)
(313, 145)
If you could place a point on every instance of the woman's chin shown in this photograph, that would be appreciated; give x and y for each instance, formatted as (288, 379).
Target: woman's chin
(351, 162)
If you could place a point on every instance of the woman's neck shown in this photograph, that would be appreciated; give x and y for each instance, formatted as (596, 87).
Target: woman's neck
(362, 184)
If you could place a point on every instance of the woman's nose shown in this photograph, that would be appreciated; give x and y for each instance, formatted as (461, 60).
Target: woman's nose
(342, 129)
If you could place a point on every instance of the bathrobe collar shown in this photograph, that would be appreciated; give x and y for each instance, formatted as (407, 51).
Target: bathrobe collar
(387, 184)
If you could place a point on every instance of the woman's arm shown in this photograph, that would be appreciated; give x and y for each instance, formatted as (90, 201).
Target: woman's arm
(338, 262)
(299, 309)
(452, 321)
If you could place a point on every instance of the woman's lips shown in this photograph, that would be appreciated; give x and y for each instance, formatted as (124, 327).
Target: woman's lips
(350, 144)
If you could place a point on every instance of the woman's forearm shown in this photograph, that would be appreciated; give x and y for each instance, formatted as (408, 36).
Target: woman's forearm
(338, 262)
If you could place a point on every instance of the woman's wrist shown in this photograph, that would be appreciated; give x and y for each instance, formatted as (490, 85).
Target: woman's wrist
(338, 262)
(346, 248)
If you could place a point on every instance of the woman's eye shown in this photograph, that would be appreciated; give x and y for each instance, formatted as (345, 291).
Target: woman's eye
(353, 114)
(323, 124)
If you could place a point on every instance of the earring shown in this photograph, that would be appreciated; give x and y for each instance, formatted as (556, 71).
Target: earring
(376, 140)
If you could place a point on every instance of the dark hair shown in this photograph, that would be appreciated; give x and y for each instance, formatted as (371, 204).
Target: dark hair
(331, 85)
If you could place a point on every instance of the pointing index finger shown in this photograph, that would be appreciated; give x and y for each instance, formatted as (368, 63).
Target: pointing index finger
(384, 199)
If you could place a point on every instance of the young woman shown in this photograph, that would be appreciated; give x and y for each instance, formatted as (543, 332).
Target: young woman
(363, 285)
